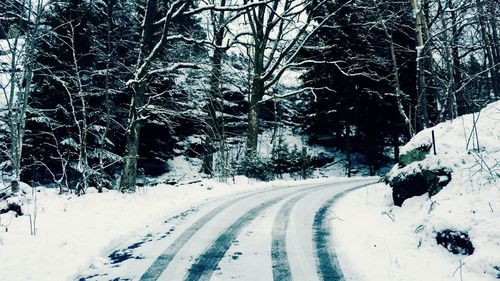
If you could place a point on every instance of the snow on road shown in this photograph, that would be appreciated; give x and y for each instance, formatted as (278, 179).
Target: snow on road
(107, 230)
(230, 239)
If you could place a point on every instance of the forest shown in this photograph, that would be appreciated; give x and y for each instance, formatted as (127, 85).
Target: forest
(102, 93)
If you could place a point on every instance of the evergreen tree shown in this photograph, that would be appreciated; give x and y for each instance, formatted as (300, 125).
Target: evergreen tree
(80, 102)
(356, 104)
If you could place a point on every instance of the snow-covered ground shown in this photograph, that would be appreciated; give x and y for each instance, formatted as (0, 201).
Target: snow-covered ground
(72, 232)
(376, 240)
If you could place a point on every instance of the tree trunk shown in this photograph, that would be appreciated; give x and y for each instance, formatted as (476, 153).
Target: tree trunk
(395, 144)
(107, 100)
(348, 149)
(420, 26)
(14, 122)
(397, 86)
(129, 176)
(146, 55)
(214, 129)
(494, 9)
(18, 104)
(255, 97)
(450, 111)
(252, 132)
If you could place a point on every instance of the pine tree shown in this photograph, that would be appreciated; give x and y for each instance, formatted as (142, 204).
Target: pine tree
(78, 94)
(356, 101)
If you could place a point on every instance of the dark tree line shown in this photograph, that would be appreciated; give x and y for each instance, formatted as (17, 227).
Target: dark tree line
(359, 108)
(102, 92)
(395, 69)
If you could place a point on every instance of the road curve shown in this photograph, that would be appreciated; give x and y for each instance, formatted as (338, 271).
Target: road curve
(189, 258)
(277, 234)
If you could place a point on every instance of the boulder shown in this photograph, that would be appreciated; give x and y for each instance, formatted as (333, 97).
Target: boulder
(424, 181)
(456, 242)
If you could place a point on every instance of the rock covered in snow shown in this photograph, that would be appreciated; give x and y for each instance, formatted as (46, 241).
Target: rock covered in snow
(456, 242)
(468, 144)
(419, 183)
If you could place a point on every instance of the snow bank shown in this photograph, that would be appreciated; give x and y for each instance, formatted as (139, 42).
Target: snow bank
(376, 240)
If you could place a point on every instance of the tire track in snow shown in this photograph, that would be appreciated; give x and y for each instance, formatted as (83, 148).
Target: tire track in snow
(279, 257)
(162, 262)
(207, 262)
(327, 263)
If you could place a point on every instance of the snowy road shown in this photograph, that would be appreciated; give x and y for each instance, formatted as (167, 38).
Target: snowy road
(276, 234)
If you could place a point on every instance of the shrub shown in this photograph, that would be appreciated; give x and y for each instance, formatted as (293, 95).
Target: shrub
(282, 160)
(297, 163)
(256, 167)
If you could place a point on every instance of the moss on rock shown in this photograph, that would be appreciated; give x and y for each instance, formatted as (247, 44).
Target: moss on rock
(417, 154)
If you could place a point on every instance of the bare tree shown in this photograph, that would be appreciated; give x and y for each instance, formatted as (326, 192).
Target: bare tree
(395, 71)
(278, 31)
(448, 34)
(155, 36)
(21, 51)
(214, 129)
(488, 13)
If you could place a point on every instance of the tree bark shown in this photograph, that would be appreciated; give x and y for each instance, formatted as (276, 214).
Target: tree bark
(420, 27)
(129, 176)
(129, 173)
(253, 117)
(214, 128)
(256, 94)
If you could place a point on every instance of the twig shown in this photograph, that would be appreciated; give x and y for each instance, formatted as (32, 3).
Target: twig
(459, 268)
(390, 215)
